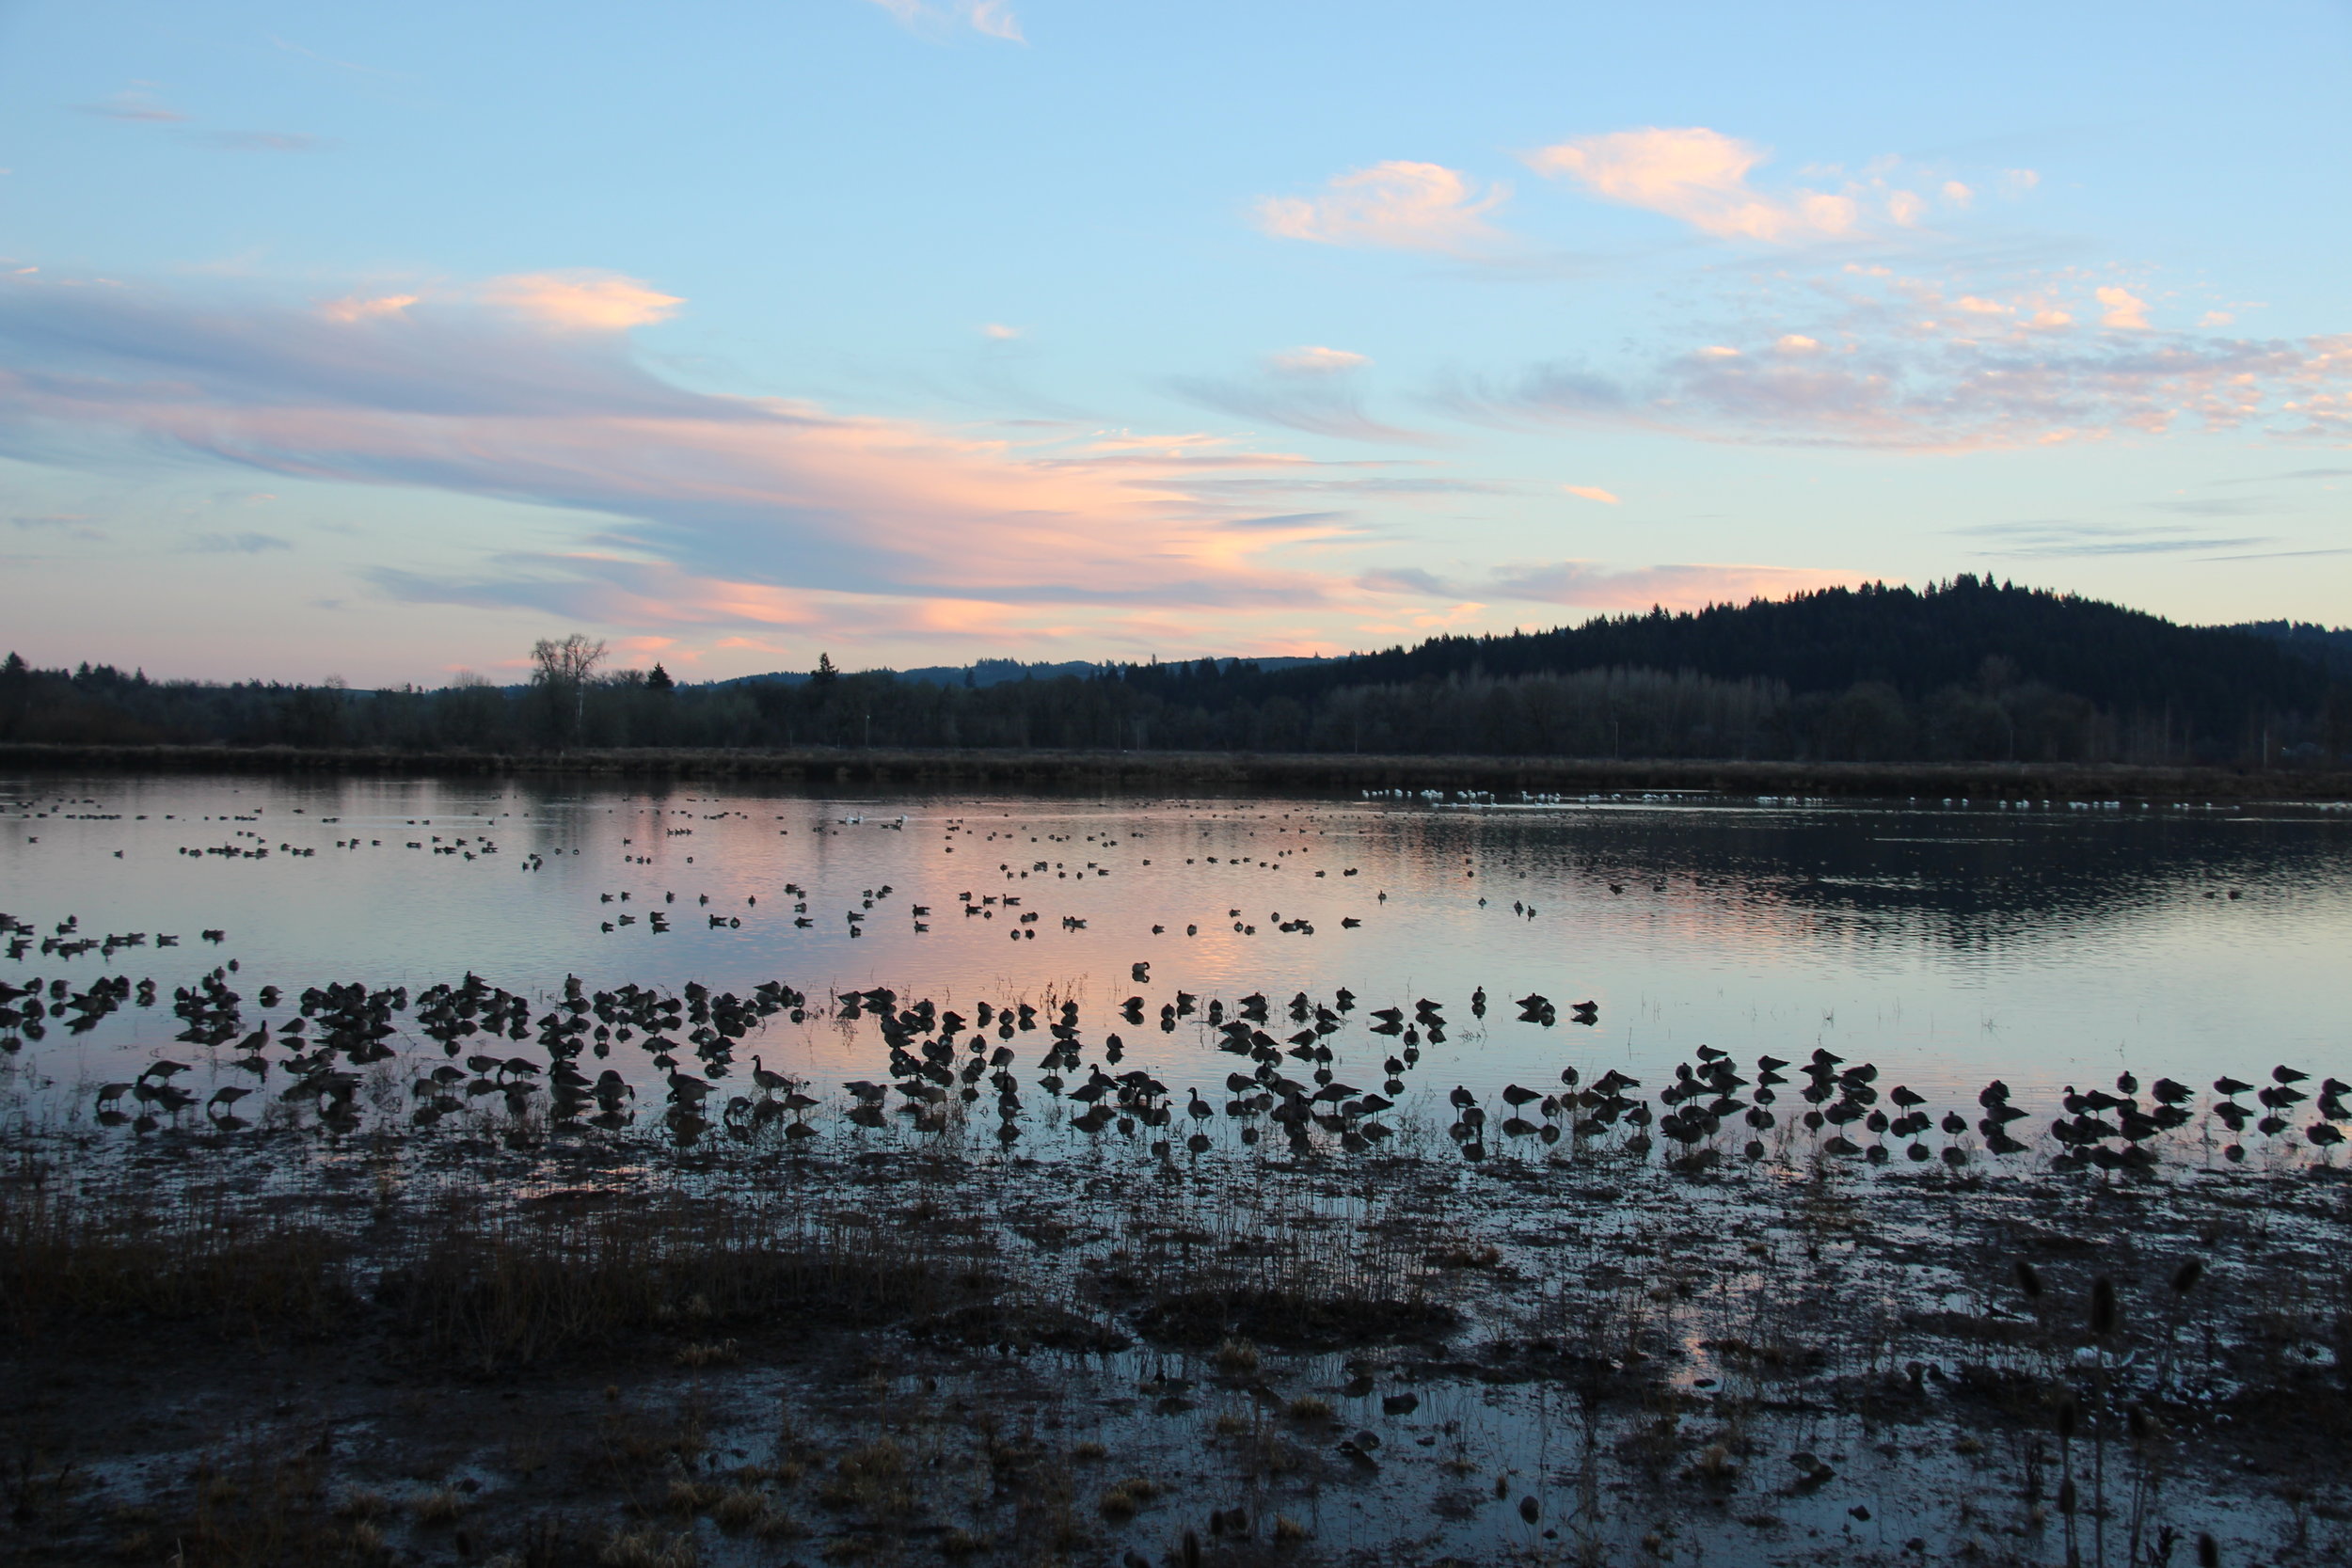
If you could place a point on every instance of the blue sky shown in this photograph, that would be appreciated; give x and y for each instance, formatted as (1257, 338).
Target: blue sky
(380, 342)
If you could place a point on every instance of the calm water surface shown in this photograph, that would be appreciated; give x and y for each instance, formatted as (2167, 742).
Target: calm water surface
(1947, 944)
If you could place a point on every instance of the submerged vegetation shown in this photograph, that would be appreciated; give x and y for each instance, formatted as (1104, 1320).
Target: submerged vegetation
(1968, 671)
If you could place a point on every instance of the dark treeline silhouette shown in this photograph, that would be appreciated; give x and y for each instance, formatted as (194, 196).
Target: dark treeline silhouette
(1967, 671)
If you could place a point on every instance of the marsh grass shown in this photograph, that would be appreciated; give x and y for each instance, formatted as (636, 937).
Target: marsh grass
(1809, 1303)
(522, 1290)
(70, 1258)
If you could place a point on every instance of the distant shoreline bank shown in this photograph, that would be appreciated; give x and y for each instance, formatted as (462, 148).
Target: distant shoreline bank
(1218, 772)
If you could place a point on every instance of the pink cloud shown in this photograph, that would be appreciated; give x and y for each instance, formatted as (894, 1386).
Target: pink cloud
(1397, 206)
(1896, 364)
(703, 510)
(582, 301)
(2126, 310)
(1698, 176)
(1588, 585)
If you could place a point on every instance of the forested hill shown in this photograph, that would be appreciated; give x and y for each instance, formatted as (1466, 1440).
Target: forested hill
(1969, 633)
(1965, 670)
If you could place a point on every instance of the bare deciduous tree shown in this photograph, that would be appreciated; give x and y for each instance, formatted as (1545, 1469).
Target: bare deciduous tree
(563, 671)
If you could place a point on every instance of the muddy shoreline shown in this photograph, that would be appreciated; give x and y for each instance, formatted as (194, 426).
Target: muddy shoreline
(608, 1353)
(1217, 773)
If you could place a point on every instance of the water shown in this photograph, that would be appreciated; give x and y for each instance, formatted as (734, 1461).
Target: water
(1948, 944)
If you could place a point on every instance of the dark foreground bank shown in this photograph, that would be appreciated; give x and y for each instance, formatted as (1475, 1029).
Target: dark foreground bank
(578, 1354)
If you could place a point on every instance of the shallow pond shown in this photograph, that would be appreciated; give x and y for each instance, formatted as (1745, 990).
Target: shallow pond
(1946, 943)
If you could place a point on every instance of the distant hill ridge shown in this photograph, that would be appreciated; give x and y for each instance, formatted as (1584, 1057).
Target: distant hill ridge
(1911, 639)
(1969, 670)
(996, 672)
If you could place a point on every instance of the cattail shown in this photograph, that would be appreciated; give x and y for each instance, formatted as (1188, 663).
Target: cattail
(2102, 1311)
(2138, 1421)
(1192, 1550)
(2029, 1280)
(2066, 1496)
(2184, 1278)
(2208, 1551)
(2066, 1421)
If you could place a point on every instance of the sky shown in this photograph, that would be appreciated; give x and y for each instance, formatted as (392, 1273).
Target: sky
(380, 342)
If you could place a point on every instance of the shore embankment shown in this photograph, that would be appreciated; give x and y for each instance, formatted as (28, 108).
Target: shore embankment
(1235, 773)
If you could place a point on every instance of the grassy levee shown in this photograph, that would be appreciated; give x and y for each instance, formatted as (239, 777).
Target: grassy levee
(1230, 773)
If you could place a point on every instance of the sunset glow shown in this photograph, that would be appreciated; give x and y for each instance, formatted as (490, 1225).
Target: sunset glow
(920, 332)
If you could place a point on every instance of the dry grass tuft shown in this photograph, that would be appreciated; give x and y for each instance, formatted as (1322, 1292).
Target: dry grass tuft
(694, 1496)
(647, 1548)
(441, 1505)
(67, 1259)
(1126, 1499)
(1234, 1356)
(873, 1477)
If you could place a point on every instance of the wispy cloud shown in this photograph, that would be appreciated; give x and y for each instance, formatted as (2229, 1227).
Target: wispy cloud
(1590, 585)
(136, 104)
(290, 47)
(990, 17)
(1396, 206)
(2058, 537)
(236, 544)
(583, 301)
(73, 524)
(1900, 364)
(1701, 177)
(263, 141)
(692, 508)
(1694, 174)
(2292, 474)
(1592, 493)
(1316, 389)
(1407, 580)
(1313, 360)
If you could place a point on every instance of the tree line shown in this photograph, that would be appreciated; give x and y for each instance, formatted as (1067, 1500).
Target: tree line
(1963, 671)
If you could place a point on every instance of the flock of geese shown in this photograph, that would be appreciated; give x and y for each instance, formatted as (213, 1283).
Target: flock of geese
(950, 1073)
(583, 1059)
